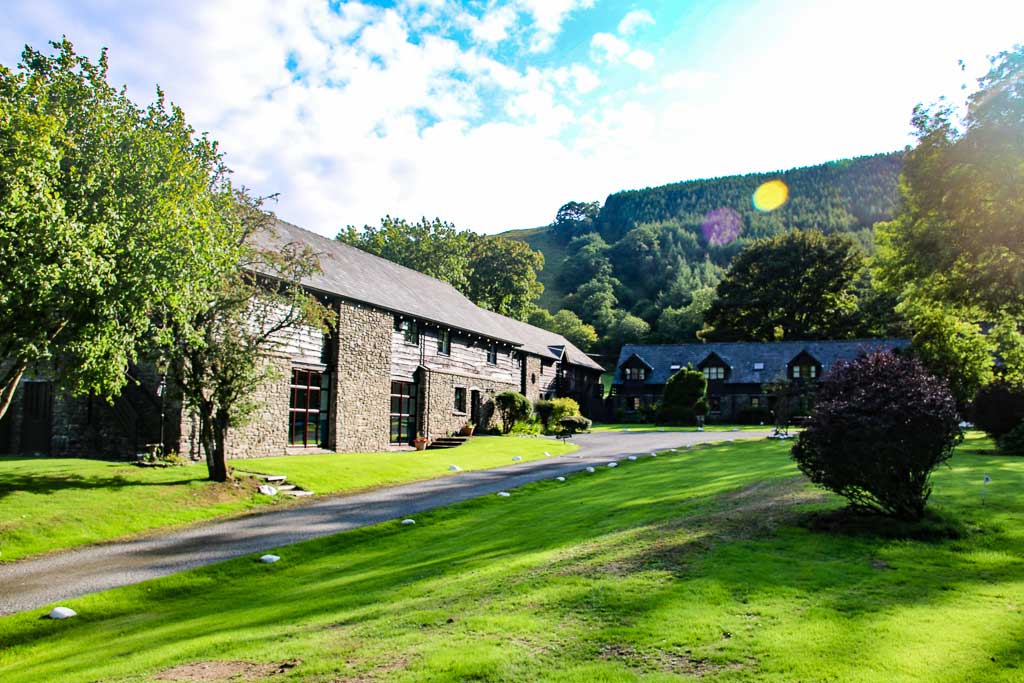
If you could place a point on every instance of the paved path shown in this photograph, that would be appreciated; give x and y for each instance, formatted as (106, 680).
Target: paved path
(33, 583)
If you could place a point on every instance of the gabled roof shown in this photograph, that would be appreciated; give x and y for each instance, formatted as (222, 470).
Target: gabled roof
(359, 276)
(741, 357)
(638, 357)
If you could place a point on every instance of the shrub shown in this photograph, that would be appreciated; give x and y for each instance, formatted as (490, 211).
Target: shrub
(527, 427)
(545, 410)
(512, 407)
(564, 407)
(649, 412)
(573, 424)
(999, 408)
(881, 424)
(1012, 443)
(682, 392)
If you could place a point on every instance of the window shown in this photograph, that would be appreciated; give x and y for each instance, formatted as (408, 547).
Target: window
(674, 367)
(634, 403)
(444, 342)
(714, 372)
(492, 354)
(308, 408)
(636, 374)
(460, 399)
(755, 401)
(403, 412)
(807, 371)
(410, 331)
(759, 366)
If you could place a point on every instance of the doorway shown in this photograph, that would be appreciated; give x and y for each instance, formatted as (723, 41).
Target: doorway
(474, 407)
(36, 417)
(403, 412)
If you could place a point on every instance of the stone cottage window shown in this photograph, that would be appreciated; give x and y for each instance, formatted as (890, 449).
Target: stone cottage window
(460, 399)
(409, 329)
(308, 408)
(444, 342)
(492, 354)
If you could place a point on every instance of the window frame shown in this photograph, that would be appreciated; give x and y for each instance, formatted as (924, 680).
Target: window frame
(456, 407)
(444, 342)
(316, 416)
(410, 330)
(713, 373)
(492, 354)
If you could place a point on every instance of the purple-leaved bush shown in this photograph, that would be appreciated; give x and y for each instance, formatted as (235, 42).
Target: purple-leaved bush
(880, 425)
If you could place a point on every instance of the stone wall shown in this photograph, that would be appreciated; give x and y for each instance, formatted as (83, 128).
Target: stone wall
(437, 404)
(531, 377)
(361, 399)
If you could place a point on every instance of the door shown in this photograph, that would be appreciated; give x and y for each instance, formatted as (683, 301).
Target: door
(403, 412)
(36, 417)
(474, 407)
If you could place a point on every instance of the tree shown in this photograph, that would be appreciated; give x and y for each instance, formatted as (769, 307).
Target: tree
(567, 324)
(575, 218)
(681, 394)
(681, 325)
(217, 355)
(503, 276)
(513, 407)
(433, 247)
(798, 285)
(545, 410)
(626, 329)
(955, 252)
(105, 208)
(881, 424)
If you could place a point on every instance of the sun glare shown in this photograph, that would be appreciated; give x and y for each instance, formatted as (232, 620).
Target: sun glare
(771, 195)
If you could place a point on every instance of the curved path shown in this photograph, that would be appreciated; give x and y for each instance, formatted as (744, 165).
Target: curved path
(33, 583)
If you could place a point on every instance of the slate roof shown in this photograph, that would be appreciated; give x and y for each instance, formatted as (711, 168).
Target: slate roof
(741, 356)
(359, 276)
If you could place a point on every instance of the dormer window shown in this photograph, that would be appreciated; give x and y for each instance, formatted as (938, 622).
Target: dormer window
(714, 372)
(759, 366)
(804, 366)
(636, 374)
(805, 371)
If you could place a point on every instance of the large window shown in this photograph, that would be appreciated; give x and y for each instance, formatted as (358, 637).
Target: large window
(403, 412)
(460, 399)
(444, 342)
(308, 408)
(636, 374)
(410, 331)
(714, 372)
(805, 371)
(492, 354)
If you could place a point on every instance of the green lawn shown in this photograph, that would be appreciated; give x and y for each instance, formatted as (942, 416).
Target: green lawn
(644, 427)
(688, 565)
(53, 503)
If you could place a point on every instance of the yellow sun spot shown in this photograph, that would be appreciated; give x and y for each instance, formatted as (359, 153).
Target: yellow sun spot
(770, 195)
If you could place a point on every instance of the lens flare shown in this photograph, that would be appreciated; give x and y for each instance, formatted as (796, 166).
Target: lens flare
(721, 226)
(770, 195)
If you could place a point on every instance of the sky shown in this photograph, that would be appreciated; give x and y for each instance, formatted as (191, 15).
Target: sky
(491, 114)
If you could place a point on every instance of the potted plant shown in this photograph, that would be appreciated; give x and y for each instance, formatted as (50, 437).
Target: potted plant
(467, 429)
(420, 442)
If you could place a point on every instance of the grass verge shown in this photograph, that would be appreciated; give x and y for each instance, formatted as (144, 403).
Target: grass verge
(51, 504)
(691, 565)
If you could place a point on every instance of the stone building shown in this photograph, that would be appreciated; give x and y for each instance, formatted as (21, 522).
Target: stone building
(737, 372)
(410, 356)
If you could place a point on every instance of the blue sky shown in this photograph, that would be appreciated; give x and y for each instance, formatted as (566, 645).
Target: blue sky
(493, 113)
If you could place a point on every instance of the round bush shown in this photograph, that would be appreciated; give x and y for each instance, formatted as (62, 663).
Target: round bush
(513, 407)
(574, 423)
(880, 425)
(998, 408)
(1012, 442)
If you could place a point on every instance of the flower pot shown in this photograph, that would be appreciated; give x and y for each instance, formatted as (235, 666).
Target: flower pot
(420, 444)
(467, 431)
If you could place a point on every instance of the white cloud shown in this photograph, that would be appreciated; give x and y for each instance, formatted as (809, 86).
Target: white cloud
(641, 59)
(634, 20)
(548, 16)
(609, 47)
(494, 26)
(684, 80)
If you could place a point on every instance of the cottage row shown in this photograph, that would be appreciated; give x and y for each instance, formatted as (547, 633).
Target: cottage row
(410, 355)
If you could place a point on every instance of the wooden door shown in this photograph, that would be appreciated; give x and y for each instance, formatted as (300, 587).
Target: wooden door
(36, 417)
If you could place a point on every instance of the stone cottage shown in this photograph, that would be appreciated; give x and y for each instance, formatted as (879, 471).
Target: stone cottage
(410, 355)
(737, 372)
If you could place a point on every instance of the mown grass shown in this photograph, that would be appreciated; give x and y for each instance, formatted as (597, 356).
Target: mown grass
(49, 504)
(698, 564)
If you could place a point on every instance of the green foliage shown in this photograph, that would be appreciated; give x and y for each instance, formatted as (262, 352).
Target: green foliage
(574, 424)
(567, 324)
(681, 394)
(798, 285)
(105, 209)
(544, 410)
(1012, 443)
(575, 218)
(681, 325)
(625, 329)
(880, 426)
(999, 408)
(513, 407)
(563, 407)
(496, 273)
(951, 347)
(531, 427)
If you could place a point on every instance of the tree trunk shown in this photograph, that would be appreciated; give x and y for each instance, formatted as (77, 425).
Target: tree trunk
(218, 464)
(9, 384)
(206, 438)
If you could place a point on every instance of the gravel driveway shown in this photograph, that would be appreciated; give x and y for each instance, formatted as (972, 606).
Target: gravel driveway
(33, 583)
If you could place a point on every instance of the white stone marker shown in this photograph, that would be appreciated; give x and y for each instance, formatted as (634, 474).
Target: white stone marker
(591, 470)
(62, 613)
(559, 478)
(268, 490)
(408, 522)
(613, 464)
(546, 454)
(454, 468)
(516, 458)
(269, 559)
(504, 494)
(632, 457)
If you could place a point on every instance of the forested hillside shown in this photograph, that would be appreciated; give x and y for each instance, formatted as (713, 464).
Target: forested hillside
(645, 264)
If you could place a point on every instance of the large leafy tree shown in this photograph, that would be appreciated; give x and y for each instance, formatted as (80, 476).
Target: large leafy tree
(567, 324)
(434, 247)
(217, 354)
(503, 276)
(955, 252)
(798, 285)
(105, 208)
